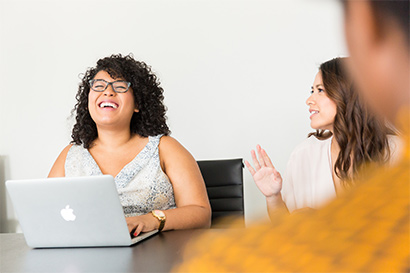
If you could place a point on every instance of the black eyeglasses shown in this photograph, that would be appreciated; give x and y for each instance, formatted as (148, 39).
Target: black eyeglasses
(117, 86)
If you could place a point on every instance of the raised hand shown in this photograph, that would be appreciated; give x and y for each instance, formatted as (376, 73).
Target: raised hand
(266, 177)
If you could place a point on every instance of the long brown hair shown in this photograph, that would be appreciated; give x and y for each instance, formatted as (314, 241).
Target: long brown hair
(361, 136)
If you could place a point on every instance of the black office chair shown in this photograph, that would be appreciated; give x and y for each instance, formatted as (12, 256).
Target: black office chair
(224, 184)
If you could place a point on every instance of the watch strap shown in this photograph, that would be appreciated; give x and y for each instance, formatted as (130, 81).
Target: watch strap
(161, 224)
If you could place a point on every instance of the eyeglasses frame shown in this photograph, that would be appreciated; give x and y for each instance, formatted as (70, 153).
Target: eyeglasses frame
(109, 83)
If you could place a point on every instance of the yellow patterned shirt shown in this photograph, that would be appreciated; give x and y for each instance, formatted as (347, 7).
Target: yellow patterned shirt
(367, 229)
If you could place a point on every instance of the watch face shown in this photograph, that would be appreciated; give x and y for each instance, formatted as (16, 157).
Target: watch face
(159, 213)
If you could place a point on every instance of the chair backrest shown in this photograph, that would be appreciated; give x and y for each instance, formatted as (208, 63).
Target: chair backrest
(224, 184)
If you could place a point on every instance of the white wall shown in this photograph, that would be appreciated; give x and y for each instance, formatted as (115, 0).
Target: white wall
(235, 73)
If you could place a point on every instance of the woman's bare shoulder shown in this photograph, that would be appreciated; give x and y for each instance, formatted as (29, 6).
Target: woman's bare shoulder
(169, 143)
(171, 152)
(58, 169)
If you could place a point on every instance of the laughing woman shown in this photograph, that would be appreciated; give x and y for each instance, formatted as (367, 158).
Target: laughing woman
(121, 130)
(347, 137)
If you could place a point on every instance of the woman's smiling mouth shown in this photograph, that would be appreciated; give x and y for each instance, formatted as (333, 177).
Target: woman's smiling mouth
(313, 112)
(108, 104)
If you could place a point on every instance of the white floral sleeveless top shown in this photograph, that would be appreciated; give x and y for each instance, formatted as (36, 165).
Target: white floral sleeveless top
(142, 185)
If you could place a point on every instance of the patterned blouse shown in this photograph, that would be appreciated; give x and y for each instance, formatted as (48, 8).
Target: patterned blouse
(142, 185)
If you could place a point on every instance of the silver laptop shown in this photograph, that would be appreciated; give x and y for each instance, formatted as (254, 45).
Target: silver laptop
(71, 212)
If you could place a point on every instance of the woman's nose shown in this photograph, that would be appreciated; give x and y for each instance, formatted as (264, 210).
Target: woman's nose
(310, 100)
(109, 91)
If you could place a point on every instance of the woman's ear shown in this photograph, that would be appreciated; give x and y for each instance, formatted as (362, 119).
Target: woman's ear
(136, 110)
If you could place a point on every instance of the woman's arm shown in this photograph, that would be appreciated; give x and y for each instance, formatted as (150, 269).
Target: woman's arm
(268, 180)
(193, 208)
(58, 169)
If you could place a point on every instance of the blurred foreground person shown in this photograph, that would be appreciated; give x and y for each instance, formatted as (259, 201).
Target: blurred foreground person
(367, 228)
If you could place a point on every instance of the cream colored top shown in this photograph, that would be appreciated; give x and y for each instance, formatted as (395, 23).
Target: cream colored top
(308, 181)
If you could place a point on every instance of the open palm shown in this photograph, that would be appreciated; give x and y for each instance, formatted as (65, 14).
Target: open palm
(266, 177)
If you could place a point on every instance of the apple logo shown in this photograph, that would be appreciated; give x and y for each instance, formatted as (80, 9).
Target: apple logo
(68, 214)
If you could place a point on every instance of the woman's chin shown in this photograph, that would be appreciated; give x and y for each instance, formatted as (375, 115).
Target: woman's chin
(314, 126)
(108, 124)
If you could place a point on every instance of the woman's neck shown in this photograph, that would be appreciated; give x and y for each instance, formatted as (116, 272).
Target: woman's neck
(334, 145)
(112, 138)
(334, 151)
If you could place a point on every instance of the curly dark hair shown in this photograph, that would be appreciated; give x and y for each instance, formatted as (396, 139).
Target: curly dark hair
(361, 136)
(148, 98)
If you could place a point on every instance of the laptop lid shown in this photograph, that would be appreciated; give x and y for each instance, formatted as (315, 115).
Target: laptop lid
(71, 212)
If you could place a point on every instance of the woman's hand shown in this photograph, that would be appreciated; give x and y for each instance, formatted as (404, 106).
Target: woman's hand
(266, 177)
(142, 223)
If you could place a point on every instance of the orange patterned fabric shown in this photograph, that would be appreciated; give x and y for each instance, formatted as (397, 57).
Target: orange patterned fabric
(365, 230)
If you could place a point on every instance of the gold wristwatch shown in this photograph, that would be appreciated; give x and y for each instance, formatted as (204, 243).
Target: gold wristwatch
(160, 215)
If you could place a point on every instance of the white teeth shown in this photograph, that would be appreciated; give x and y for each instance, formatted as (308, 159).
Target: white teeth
(108, 104)
(314, 112)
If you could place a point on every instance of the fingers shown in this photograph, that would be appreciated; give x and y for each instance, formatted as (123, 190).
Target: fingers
(267, 160)
(262, 160)
(260, 156)
(251, 170)
(255, 160)
(138, 229)
(134, 226)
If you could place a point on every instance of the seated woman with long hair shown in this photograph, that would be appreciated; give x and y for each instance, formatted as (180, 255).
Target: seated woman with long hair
(121, 130)
(347, 137)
